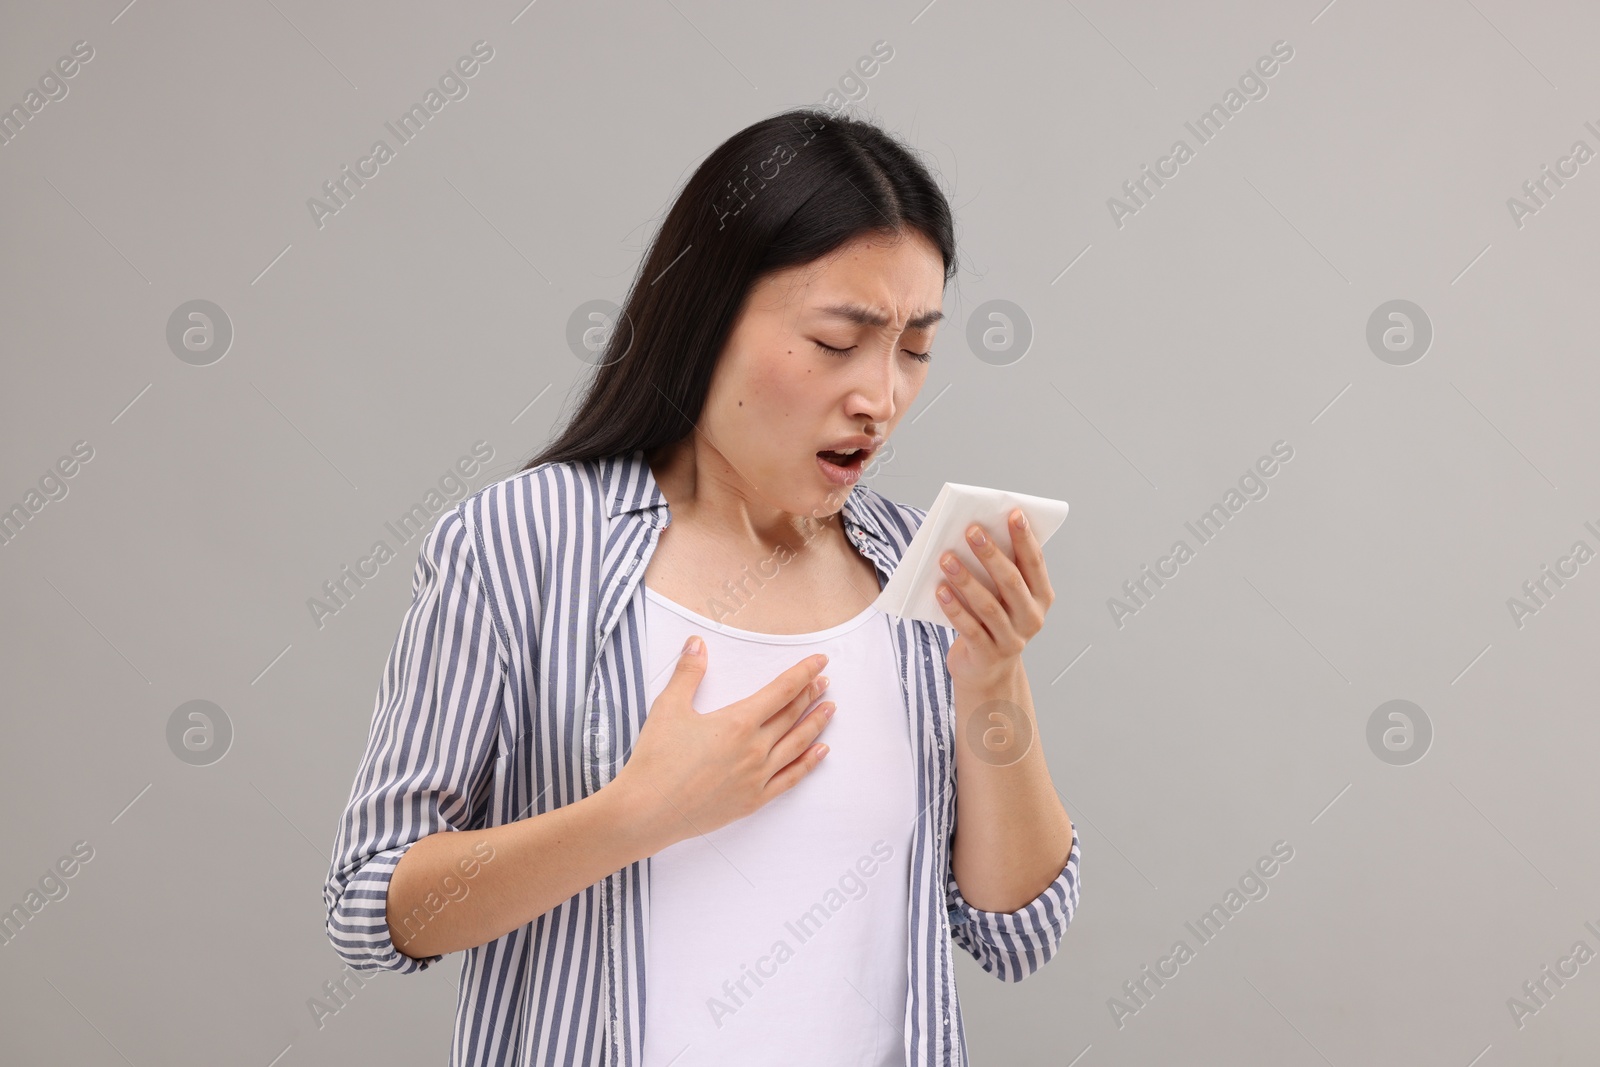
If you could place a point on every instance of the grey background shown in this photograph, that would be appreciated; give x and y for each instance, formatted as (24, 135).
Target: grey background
(1228, 314)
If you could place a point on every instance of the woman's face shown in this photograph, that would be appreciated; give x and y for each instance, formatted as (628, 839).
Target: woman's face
(777, 398)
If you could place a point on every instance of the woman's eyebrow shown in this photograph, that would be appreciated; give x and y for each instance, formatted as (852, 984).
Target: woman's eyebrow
(862, 315)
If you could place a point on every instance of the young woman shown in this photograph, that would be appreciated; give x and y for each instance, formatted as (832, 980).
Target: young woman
(595, 764)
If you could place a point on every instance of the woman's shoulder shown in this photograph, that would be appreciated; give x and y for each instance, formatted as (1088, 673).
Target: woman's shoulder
(501, 533)
(891, 520)
(515, 512)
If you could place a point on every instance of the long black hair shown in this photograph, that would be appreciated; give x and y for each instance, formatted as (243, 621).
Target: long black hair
(782, 192)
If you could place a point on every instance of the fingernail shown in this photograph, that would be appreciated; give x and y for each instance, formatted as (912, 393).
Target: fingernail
(949, 564)
(1022, 521)
(977, 536)
(691, 647)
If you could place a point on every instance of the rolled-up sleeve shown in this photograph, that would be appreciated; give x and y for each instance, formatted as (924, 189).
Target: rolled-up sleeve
(431, 748)
(1011, 945)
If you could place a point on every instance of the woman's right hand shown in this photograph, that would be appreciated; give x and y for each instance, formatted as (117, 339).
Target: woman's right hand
(697, 772)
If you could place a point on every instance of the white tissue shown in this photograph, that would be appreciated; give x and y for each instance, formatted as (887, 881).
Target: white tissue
(909, 592)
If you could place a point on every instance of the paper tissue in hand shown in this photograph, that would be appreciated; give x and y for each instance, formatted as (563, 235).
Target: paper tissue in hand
(909, 592)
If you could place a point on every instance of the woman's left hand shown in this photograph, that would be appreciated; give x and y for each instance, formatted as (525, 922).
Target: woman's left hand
(994, 629)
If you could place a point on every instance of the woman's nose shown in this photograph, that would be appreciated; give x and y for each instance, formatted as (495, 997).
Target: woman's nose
(874, 395)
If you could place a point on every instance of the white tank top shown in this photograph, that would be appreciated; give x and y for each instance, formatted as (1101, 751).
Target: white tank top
(781, 938)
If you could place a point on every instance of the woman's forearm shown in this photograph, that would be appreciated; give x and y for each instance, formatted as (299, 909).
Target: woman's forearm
(518, 871)
(1012, 834)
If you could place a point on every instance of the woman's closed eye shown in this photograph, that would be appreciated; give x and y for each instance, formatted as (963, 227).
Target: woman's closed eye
(920, 356)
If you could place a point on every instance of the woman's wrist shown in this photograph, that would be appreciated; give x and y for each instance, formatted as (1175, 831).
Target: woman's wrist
(643, 817)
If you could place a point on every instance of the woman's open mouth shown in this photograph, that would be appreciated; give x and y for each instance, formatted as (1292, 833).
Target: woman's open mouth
(843, 468)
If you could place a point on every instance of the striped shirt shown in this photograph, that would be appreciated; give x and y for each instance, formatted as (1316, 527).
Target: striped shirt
(516, 684)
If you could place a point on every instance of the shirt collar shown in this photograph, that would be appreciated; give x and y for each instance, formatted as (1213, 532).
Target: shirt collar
(630, 485)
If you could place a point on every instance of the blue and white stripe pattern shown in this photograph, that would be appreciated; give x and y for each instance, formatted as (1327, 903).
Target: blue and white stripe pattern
(516, 685)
